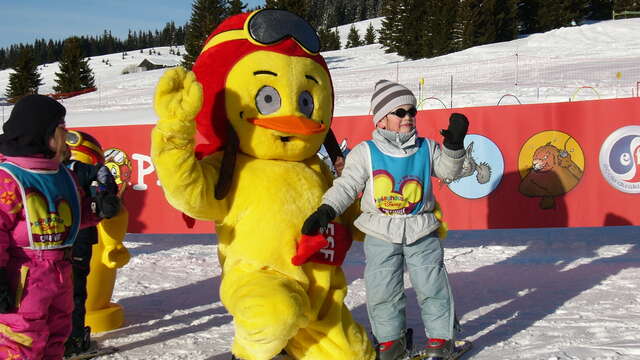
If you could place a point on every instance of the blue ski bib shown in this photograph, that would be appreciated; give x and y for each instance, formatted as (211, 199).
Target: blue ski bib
(51, 205)
(399, 182)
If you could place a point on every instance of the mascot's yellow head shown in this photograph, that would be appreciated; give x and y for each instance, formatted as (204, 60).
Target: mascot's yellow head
(261, 73)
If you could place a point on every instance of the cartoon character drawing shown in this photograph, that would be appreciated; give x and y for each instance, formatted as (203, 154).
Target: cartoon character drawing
(552, 173)
(120, 166)
(48, 226)
(471, 166)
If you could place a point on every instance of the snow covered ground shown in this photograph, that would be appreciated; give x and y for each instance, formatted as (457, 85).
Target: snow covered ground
(521, 294)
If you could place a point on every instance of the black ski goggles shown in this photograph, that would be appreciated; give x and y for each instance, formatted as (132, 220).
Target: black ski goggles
(402, 112)
(270, 26)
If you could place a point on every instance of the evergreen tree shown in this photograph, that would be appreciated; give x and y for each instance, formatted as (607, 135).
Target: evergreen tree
(205, 16)
(235, 7)
(328, 39)
(334, 40)
(438, 29)
(298, 7)
(75, 73)
(600, 9)
(353, 38)
(389, 32)
(26, 79)
(370, 35)
(506, 20)
(628, 5)
(527, 16)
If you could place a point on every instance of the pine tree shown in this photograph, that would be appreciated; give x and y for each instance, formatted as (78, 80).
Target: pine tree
(370, 35)
(528, 22)
(600, 10)
(389, 34)
(328, 39)
(506, 20)
(298, 7)
(75, 73)
(205, 16)
(235, 7)
(629, 5)
(334, 40)
(438, 27)
(353, 38)
(26, 79)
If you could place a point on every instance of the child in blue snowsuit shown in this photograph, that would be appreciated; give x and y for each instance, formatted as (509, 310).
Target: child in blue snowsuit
(393, 172)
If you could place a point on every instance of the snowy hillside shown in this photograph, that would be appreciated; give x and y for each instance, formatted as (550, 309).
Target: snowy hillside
(555, 66)
(521, 294)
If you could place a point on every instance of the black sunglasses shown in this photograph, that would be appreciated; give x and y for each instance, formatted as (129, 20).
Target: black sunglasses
(402, 112)
(270, 26)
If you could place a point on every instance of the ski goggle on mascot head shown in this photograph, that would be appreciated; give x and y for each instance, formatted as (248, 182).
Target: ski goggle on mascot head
(261, 72)
(84, 148)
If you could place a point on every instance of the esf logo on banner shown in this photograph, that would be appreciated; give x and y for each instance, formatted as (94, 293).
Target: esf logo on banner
(620, 159)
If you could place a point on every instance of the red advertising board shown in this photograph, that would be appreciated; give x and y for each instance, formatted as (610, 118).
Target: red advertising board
(544, 165)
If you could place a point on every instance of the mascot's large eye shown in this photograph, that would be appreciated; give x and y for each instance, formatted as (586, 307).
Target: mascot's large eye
(305, 103)
(625, 159)
(267, 100)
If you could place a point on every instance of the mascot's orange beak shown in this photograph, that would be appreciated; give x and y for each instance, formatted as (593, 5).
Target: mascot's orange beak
(290, 124)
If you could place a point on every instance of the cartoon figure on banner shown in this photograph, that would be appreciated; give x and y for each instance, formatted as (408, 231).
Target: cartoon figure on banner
(620, 159)
(488, 172)
(471, 166)
(551, 164)
(109, 253)
(261, 95)
(120, 165)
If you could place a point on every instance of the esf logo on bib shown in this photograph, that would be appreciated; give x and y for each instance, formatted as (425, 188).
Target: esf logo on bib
(620, 159)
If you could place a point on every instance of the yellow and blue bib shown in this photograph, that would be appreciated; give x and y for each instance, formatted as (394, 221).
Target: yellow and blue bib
(399, 182)
(51, 203)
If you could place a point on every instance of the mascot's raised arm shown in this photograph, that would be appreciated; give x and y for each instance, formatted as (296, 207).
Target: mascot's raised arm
(261, 95)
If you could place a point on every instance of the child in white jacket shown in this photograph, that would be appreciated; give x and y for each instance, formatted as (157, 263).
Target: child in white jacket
(393, 171)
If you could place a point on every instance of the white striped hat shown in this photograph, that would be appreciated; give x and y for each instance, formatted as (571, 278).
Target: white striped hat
(387, 96)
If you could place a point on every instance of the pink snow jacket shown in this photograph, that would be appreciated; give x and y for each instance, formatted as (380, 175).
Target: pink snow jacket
(13, 223)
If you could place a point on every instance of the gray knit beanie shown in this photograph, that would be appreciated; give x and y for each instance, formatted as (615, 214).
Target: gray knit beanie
(387, 96)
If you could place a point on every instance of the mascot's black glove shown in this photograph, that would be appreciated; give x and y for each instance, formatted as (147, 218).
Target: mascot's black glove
(106, 194)
(454, 135)
(319, 219)
(6, 298)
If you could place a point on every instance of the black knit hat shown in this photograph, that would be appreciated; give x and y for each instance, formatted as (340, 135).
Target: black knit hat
(31, 124)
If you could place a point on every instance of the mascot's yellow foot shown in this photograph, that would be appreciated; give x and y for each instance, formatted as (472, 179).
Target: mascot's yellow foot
(268, 309)
(109, 318)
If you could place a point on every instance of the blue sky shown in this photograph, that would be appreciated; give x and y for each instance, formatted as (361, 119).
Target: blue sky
(27, 20)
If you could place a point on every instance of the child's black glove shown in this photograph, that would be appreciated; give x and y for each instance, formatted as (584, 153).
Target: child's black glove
(319, 219)
(6, 298)
(107, 205)
(454, 135)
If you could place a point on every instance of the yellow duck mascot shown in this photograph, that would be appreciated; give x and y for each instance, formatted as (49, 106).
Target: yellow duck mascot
(261, 95)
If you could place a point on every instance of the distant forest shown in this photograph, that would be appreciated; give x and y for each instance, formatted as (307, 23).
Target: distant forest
(47, 51)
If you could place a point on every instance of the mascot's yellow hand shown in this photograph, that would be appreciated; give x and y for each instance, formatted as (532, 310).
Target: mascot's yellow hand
(178, 100)
(115, 257)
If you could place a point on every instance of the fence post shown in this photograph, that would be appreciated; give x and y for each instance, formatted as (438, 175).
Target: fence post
(451, 105)
(516, 82)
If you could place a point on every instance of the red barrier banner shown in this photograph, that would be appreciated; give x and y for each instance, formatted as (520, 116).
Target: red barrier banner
(570, 164)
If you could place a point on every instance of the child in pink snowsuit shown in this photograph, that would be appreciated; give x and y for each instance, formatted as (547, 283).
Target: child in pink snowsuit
(40, 214)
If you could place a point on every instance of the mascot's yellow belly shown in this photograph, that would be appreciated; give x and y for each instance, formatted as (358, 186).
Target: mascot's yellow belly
(271, 200)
